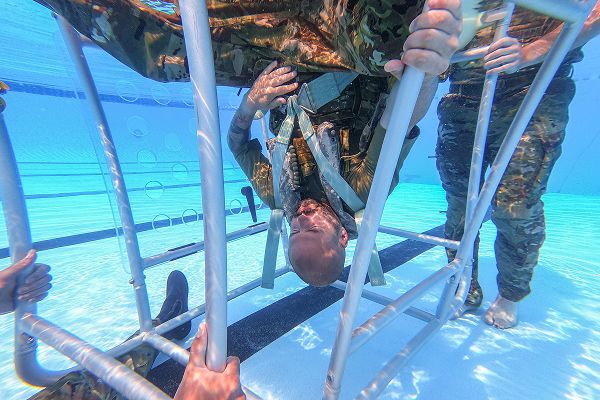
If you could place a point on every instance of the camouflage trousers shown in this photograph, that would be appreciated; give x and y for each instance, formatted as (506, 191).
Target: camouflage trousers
(82, 385)
(517, 207)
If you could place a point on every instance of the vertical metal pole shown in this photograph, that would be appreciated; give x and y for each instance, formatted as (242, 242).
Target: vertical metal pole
(528, 106)
(19, 242)
(285, 239)
(71, 39)
(483, 122)
(194, 17)
(404, 105)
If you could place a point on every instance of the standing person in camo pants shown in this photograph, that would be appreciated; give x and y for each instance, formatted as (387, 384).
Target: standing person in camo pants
(517, 208)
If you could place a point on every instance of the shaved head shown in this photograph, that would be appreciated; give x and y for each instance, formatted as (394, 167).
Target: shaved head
(317, 247)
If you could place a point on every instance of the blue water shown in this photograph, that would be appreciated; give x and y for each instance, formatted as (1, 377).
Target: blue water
(552, 354)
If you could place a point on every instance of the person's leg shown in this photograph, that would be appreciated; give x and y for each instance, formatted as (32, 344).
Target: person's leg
(518, 211)
(84, 385)
(458, 118)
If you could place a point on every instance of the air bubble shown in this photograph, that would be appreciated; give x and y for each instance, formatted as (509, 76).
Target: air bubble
(154, 190)
(180, 172)
(235, 210)
(127, 91)
(161, 94)
(189, 216)
(146, 159)
(137, 126)
(161, 221)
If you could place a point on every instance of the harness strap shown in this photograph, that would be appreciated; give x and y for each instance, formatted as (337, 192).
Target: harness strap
(338, 184)
(320, 91)
(281, 144)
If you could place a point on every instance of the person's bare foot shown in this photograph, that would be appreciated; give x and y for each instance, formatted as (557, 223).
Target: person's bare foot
(502, 313)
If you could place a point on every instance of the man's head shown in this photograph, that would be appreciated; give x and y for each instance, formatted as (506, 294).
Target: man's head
(318, 241)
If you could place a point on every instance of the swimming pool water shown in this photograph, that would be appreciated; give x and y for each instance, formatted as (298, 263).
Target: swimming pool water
(552, 354)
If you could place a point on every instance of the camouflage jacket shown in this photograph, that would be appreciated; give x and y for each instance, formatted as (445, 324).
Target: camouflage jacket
(313, 35)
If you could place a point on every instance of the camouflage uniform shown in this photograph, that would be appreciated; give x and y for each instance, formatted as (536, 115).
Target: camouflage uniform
(83, 385)
(313, 35)
(517, 208)
(355, 116)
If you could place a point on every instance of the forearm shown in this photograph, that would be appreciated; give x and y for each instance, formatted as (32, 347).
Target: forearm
(430, 85)
(535, 52)
(239, 129)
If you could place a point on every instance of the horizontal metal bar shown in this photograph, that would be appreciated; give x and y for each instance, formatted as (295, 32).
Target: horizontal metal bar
(174, 254)
(493, 15)
(187, 316)
(389, 313)
(421, 237)
(112, 372)
(469, 55)
(165, 346)
(565, 10)
(391, 369)
(183, 318)
(384, 301)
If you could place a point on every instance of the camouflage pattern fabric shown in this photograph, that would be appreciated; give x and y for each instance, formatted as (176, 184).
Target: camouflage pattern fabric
(517, 208)
(351, 114)
(82, 385)
(313, 35)
(526, 26)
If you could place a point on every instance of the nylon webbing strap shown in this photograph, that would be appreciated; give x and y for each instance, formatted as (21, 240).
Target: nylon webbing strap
(327, 87)
(281, 144)
(376, 276)
(338, 184)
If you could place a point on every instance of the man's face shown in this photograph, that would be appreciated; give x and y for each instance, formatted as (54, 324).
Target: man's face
(314, 222)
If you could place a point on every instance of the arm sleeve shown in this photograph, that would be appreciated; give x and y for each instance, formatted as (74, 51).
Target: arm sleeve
(257, 168)
(361, 176)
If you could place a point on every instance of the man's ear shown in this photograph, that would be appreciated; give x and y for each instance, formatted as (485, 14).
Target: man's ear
(343, 237)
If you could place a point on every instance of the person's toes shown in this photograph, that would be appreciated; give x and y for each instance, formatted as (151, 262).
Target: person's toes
(505, 320)
(489, 316)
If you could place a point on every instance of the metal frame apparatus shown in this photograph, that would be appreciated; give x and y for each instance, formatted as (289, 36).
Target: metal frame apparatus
(457, 274)
(30, 327)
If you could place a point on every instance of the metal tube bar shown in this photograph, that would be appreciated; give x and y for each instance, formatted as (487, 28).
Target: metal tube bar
(476, 168)
(483, 122)
(71, 39)
(194, 18)
(438, 241)
(195, 312)
(404, 105)
(377, 322)
(285, 239)
(19, 241)
(380, 382)
(165, 346)
(534, 95)
(384, 301)
(565, 10)
(112, 372)
(469, 55)
(171, 255)
(187, 316)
